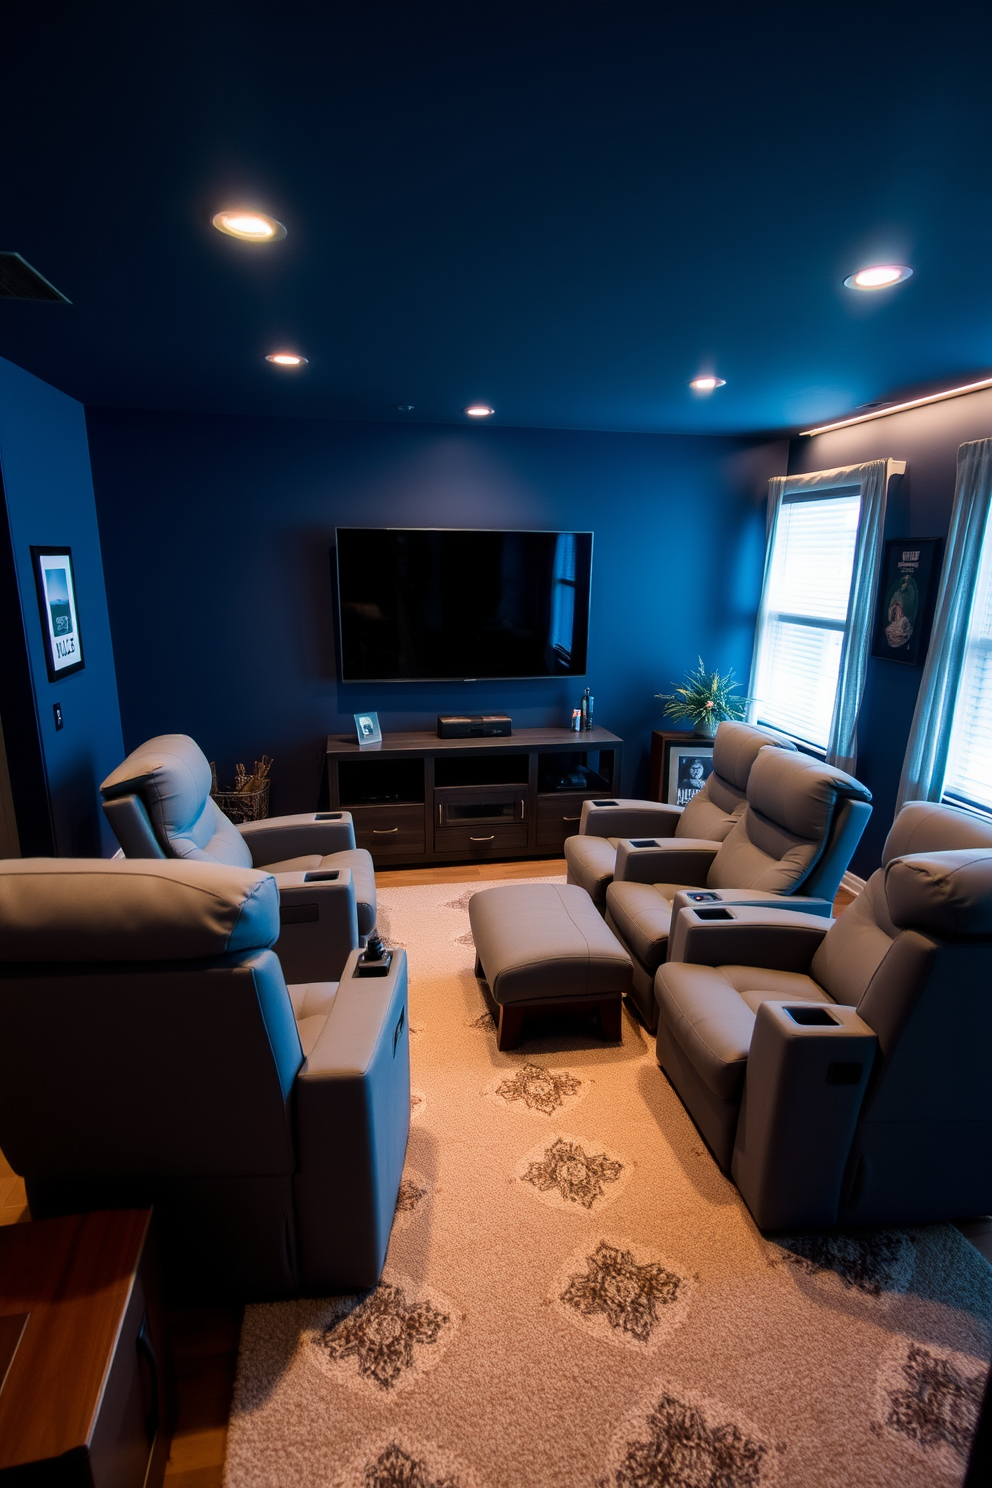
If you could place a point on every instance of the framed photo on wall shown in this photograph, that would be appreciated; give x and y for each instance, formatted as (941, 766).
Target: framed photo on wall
(907, 593)
(59, 616)
(689, 768)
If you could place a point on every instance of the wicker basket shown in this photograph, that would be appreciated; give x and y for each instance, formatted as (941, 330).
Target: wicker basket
(244, 806)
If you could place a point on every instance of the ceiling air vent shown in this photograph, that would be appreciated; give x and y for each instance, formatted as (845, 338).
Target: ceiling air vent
(19, 281)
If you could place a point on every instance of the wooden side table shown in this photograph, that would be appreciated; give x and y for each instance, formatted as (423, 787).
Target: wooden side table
(86, 1398)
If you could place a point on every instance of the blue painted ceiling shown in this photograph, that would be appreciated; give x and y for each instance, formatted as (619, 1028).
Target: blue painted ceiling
(564, 209)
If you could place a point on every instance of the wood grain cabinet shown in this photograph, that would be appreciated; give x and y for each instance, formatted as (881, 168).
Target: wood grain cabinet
(86, 1399)
(421, 799)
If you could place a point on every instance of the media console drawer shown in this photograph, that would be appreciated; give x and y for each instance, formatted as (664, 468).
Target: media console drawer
(483, 840)
(389, 829)
(558, 816)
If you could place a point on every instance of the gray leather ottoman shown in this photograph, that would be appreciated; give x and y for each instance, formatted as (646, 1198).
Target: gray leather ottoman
(544, 948)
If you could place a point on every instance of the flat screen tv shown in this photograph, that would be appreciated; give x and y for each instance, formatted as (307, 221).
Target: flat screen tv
(442, 604)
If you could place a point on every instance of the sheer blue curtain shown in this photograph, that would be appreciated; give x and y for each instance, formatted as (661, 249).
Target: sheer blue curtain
(930, 734)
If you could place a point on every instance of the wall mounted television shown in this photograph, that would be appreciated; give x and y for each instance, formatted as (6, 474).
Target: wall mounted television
(438, 604)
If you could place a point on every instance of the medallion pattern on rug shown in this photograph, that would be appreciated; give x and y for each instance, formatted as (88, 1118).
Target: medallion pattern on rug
(622, 1294)
(383, 1341)
(930, 1399)
(412, 1199)
(875, 1262)
(573, 1173)
(682, 1442)
(399, 1462)
(533, 1088)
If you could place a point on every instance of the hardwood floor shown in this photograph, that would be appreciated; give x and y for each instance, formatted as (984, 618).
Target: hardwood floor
(205, 1340)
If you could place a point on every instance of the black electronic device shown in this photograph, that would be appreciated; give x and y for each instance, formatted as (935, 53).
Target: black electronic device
(474, 725)
(448, 604)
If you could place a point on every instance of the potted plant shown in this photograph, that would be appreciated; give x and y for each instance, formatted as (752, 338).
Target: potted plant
(705, 700)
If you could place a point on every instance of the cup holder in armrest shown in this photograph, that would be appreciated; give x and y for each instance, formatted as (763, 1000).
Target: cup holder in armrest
(644, 842)
(329, 816)
(713, 914)
(811, 1015)
(605, 803)
(322, 875)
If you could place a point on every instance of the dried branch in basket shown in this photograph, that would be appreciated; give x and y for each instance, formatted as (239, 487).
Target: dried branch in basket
(243, 782)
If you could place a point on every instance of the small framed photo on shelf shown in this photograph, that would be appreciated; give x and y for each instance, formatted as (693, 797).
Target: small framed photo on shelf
(689, 768)
(907, 593)
(59, 618)
(367, 728)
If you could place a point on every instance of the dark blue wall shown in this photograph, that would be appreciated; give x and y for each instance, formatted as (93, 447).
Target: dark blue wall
(928, 439)
(49, 499)
(217, 531)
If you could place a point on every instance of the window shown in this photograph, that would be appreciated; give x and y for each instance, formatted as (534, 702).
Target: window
(804, 610)
(968, 777)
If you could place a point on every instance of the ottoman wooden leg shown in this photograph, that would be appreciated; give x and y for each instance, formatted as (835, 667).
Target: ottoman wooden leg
(511, 1022)
(611, 1018)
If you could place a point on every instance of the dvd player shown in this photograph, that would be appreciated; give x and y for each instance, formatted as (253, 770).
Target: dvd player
(474, 725)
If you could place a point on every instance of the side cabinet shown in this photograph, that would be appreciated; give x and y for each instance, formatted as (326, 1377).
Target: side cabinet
(420, 799)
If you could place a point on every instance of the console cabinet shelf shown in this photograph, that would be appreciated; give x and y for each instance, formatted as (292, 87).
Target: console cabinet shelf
(420, 799)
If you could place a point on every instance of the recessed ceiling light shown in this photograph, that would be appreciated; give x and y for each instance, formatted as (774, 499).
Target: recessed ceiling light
(286, 359)
(478, 410)
(707, 384)
(253, 227)
(880, 276)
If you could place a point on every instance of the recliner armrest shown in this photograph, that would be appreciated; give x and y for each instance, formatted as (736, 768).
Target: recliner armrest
(318, 925)
(755, 898)
(807, 1073)
(352, 1098)
(682, 860)
(280, 837)
(621, 818)
(738, 935)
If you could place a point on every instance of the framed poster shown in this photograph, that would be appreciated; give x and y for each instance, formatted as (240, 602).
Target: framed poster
(59, 617)
(907, 592)
(689, 768)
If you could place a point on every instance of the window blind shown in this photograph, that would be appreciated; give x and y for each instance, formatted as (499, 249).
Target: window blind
(968, 779)
(804, 613)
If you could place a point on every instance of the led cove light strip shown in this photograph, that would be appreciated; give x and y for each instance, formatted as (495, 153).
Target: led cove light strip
(863, 418)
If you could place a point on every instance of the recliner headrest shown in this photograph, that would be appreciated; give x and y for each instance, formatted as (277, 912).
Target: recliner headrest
(171, 775)
(90, 909)
(736, 747)
(927, 827)
(947, 892)
(799, 792)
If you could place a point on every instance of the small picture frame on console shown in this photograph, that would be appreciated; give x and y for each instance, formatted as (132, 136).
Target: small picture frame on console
(907, 592)
(57, 602)
(689, 768)
(367, 728)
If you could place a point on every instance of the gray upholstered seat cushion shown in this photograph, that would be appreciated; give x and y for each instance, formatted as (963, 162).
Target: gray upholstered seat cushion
(537, 942)
(710, 1010)
(312, 1002)
(591, 861)
(641, 914)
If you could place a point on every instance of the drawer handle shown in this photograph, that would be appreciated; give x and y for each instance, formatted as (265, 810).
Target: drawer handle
(388, 831)
(483, 839)
(571, 818)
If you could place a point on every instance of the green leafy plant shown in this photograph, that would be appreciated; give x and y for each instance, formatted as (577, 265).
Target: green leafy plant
(704, 699)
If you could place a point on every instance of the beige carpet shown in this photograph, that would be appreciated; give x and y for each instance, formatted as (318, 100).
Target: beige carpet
(574, 1295)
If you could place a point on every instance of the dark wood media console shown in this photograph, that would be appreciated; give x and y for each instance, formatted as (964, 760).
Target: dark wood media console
(421, 799)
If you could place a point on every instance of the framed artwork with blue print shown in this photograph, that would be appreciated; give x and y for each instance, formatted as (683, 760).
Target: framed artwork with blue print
(907, 593)
(59, 616)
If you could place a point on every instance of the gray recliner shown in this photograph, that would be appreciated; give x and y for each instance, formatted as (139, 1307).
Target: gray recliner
(153, 1054)
(802, 822)
(159, 805)
(592, 853)
(840, 1070)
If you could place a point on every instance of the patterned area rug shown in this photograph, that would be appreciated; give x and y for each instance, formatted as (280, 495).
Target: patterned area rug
(574, 1295)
